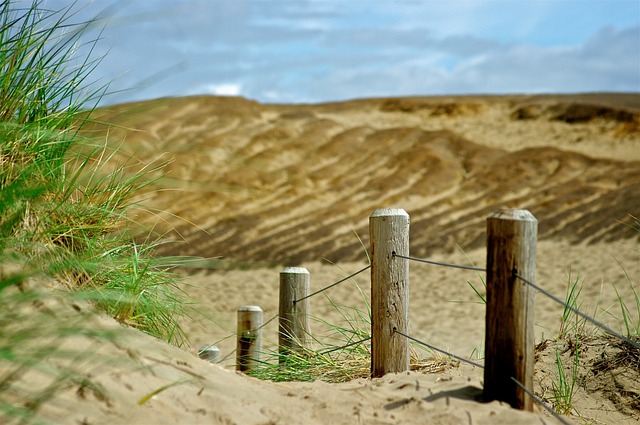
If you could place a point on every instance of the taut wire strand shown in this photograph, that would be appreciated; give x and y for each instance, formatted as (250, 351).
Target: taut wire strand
(540, 402)
(346, 346)
(579, 313)
(332, 285)
(438, 263)
(462, 359)
(266, 323)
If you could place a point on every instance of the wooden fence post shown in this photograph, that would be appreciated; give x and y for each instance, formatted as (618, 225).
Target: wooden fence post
(210, 353)
(249, 335)
(294, 315)
(509, 344)
(389, 234)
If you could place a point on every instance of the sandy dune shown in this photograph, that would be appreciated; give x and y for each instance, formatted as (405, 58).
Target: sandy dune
(267, 186)
(287, 184)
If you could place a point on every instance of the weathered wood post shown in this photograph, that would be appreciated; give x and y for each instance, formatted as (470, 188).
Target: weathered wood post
(389, 234)
(249, 334)
(509, 344)
(294, 315)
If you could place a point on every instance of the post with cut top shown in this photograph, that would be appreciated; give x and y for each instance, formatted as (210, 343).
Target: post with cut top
(509, 344)
(293, 310)
(249, 334)
(389, 235)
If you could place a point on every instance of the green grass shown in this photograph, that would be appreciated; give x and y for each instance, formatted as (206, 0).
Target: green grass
(573, 329)
(67, 209)
(631, 320)
(564, 386)
(480, 292)
(329, 360)
(66, 202)
(341, 353)
(630, 315)
(571, 323)
(575, 333)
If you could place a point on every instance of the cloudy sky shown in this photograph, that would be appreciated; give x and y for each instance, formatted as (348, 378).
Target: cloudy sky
(324, 50)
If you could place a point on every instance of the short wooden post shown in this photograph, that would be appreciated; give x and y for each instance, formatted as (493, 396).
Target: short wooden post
(249, 334)
(293, 314)
(509, 344)
(210, 353)
(389, 234)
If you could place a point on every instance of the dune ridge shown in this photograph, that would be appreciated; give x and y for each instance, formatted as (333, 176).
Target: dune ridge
(284, 184)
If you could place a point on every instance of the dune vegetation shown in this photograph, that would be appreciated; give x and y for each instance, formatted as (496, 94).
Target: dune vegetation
(65, 206)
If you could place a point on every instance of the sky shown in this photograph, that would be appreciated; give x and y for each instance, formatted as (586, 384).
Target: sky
(310, 51)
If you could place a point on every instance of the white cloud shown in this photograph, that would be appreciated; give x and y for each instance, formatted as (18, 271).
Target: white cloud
(225, 89)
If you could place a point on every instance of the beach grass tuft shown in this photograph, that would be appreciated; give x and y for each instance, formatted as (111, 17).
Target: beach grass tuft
(67, 226)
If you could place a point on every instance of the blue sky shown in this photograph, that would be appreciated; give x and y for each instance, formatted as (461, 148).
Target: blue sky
(298, 51)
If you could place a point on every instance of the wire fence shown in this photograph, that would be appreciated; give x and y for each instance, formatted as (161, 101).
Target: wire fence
(439, 263)
(564, 304)
(292, 313)
(579, 313)
(452, 355)
(332, 285)
(440, 350)
(351, 344)
(470, 362)
(538, 400)
(235, 335)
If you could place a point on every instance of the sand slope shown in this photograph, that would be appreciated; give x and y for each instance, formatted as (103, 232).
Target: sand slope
(132, 378)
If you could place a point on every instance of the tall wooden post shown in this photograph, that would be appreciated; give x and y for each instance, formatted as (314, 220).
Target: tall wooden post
(509, 345)
(294, 314)
(249, 347)
(389, 234)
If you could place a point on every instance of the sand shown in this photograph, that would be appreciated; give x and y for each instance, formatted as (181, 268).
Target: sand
(137, 379)
(254, 188)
